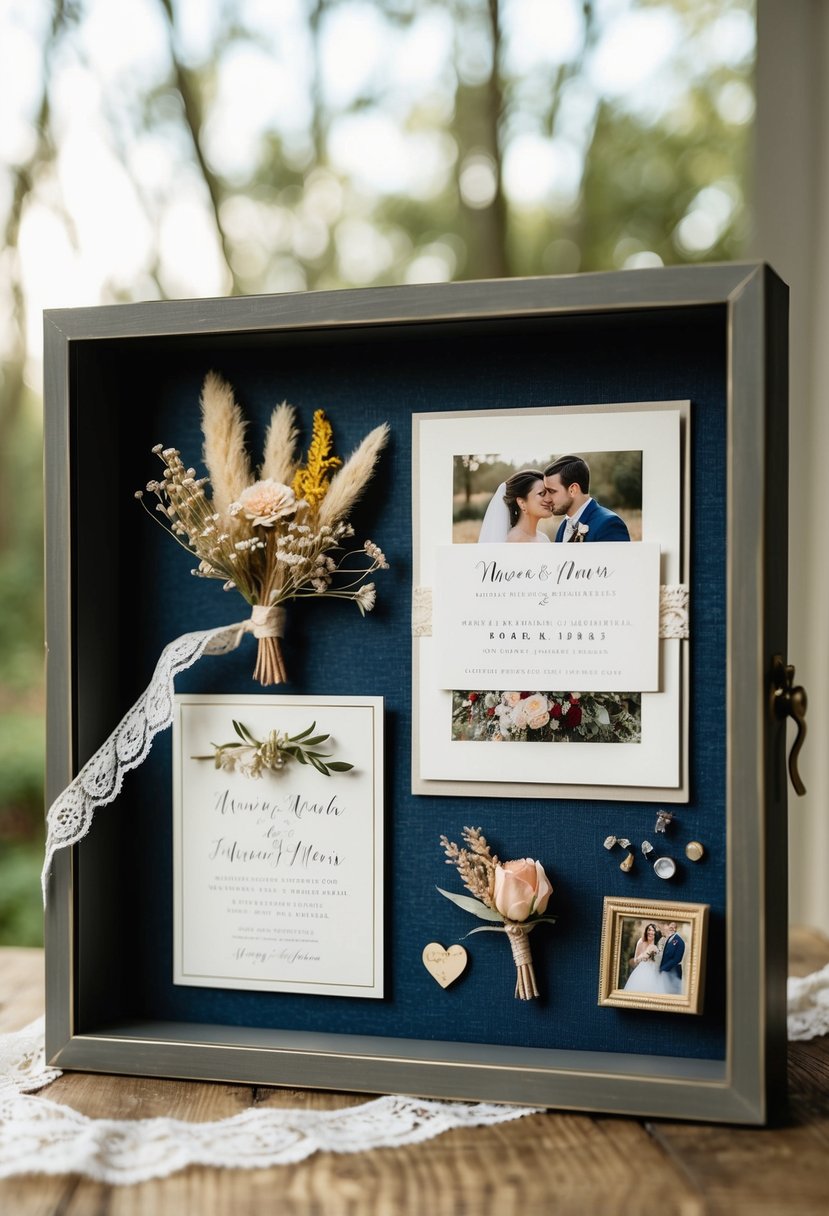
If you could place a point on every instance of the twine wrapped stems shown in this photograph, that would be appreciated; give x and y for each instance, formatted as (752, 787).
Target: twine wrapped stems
(267, 623)
(526, 988)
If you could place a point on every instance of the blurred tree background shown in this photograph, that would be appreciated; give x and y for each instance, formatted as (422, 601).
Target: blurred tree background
(164, 148)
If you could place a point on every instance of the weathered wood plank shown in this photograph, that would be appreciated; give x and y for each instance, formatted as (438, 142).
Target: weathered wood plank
(21, 987)
(105, 1097)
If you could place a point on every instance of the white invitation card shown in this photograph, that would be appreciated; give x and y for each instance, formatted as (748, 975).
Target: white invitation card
(278, 843)
(550, 616)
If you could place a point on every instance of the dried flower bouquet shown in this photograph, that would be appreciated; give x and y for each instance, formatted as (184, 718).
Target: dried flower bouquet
(274, 538)
(513, 893)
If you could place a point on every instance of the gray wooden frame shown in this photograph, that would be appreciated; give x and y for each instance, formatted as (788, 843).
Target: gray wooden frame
(748, 1085)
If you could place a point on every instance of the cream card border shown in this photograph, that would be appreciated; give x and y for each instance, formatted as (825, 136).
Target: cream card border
(315, 708)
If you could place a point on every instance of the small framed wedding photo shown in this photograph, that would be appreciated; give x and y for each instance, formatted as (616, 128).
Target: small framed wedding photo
(653, 955)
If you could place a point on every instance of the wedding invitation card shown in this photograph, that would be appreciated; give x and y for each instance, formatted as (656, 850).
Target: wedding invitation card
(574, 617)
(278, 843)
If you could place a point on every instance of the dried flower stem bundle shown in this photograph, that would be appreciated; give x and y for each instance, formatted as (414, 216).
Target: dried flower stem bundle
(270, 540)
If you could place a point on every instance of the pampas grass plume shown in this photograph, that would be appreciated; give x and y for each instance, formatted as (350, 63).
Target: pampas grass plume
(280, 444)
(348, 484)
(224, 442)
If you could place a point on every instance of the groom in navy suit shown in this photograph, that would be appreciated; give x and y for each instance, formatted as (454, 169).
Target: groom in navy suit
(672, 951)
(568, 493)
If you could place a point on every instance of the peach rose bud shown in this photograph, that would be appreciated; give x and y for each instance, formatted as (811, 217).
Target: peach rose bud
(521, 889)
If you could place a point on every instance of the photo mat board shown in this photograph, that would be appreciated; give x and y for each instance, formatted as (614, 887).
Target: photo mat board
(709, 335)
(648, 753)
(278, 877)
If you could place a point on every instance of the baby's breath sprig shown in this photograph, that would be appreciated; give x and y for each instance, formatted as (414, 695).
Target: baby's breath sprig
(274, 542)
(253, 756)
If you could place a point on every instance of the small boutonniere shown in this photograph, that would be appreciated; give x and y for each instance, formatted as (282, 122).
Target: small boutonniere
(276, 534)
(512, 893)
(251, 756)
(581, 532)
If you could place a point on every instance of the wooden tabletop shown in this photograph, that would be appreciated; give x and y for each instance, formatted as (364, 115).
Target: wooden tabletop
(572, 1165)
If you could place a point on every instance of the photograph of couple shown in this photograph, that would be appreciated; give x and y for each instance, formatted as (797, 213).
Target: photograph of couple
(653, 964)
(566, 499)
(653, 955)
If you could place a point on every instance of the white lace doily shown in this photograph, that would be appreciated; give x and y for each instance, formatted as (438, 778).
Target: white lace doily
(808, 1005)
(38, 1136)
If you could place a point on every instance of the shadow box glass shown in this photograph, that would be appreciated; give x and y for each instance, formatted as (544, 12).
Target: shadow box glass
(671, 385)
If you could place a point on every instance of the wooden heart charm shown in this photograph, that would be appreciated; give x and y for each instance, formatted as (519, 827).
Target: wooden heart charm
(444, 965)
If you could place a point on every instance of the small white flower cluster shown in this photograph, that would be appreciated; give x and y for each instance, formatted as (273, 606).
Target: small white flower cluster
(376, 554)
(269, 545)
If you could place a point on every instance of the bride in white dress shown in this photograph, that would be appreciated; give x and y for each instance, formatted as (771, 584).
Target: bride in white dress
(645, 975)
(516, 509)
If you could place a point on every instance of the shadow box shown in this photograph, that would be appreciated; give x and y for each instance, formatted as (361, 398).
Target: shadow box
(671, 385)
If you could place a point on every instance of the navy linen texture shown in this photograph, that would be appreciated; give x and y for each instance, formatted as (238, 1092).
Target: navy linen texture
(138, 392)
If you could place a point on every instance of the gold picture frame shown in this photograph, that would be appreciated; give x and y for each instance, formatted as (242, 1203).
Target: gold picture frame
(653, 955)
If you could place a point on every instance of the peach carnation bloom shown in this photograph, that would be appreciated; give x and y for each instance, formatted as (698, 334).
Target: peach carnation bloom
(267, 501)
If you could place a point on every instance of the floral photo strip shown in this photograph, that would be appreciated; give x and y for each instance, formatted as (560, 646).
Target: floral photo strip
(551, 717)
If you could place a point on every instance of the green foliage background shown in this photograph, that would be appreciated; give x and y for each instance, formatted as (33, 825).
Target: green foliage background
(654, 183)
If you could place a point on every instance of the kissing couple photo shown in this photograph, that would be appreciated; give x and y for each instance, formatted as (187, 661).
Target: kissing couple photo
(567, 499)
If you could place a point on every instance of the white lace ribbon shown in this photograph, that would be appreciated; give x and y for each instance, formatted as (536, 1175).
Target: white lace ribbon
(99, 781)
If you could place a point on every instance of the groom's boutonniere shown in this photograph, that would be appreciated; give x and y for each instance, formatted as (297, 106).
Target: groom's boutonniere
(581, 532)
(512, 894)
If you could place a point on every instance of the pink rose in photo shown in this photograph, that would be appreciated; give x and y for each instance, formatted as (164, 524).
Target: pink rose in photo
(521, 889)
(511, 698)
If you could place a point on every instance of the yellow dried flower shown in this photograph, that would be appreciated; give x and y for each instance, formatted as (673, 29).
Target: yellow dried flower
(311, 480)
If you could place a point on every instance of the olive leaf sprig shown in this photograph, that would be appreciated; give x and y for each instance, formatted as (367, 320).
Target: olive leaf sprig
(252, 756)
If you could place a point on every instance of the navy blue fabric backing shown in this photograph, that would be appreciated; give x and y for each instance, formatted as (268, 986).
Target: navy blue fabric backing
(360, 379)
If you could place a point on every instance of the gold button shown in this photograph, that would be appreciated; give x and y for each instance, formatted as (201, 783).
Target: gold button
(694, 850)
